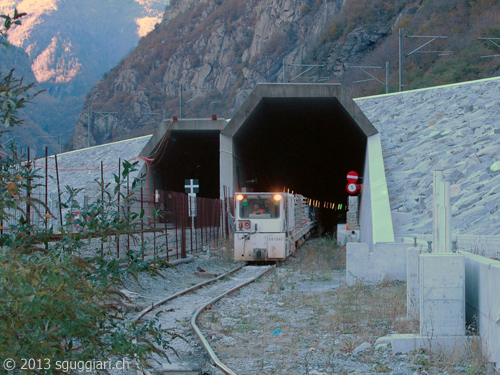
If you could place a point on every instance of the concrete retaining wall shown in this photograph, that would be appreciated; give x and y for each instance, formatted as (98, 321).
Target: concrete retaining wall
(374, 212)
(388, 260)
(482, 299)
(487, 245)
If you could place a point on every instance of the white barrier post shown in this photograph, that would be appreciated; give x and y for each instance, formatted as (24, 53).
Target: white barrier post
(441, 211)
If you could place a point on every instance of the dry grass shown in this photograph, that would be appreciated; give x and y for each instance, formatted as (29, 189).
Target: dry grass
(296, 310)
(322, 256)
(223, 248)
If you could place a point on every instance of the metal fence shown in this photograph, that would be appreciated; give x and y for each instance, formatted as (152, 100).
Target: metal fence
(182, 225)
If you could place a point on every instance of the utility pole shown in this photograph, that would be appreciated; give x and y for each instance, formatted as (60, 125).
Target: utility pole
(88, 127)
(284, 70)
(387, 77)
(180, 97)
(417, 50)
(400, 60)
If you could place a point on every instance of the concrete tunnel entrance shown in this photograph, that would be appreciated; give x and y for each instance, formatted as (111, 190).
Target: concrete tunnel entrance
(190, 155)
(304, 137)
(185, 149)
(305, 144)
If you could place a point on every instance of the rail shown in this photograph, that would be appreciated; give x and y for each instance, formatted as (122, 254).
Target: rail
(185, 291)
(216, 361)
(213, 357)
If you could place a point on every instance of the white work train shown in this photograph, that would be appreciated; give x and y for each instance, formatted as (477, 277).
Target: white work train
(270, 226)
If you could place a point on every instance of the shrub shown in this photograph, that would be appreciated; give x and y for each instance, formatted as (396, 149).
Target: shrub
(56, 305)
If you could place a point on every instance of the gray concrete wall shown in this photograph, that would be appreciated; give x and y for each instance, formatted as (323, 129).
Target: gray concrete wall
(442, 294)
(306, 90)
(413, 283)
(487, 245)
(387, 260)
(482, 299)
(226, 164)
(375, 214)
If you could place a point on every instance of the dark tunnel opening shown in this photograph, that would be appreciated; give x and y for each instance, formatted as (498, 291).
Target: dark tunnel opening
(189, 154)
(305, 144)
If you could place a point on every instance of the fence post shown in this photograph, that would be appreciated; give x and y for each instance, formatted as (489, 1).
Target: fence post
(128, 214)
(102, 203)
(166, 227)
(142, 222)
(119, 193)
(28, 191)
(154, 216)
(58, 191)
(176, 205)
(201, 217)
(183, 227)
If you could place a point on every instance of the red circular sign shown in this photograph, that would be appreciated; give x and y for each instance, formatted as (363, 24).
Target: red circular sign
(352, 188)
(352, 176)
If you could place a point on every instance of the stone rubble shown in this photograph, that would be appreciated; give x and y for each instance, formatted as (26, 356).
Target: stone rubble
(285, 324)
(455, 128)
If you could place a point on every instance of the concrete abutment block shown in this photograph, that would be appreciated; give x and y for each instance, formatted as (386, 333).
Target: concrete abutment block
(442, 294)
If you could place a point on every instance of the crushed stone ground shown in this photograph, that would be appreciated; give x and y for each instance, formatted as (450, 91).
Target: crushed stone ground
(302, 319)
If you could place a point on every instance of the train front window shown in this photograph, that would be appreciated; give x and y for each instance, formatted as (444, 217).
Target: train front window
(259, 207)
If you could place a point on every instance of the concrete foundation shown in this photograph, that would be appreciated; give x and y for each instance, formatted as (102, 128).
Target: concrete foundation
(344, 235)
(387, 260)
(442, 294)
(413, 283)
(482, 280)
(448, 345)
(439, 280)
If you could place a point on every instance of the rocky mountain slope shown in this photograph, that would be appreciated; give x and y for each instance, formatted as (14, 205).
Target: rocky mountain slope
(68, 46)
(221, 49)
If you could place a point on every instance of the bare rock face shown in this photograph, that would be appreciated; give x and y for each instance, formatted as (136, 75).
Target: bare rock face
(219, 49)
(69, 44)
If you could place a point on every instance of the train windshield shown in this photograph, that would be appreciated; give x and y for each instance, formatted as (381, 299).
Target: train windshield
(259, 206)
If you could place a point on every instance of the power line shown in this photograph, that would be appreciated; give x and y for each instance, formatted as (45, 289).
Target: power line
(373, 78)
(491, 40)
(417, 50)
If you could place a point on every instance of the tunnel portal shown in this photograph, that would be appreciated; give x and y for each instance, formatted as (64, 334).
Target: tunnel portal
(301, 137)
(305, 144)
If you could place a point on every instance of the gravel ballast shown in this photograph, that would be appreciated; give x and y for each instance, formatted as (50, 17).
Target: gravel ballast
(303, 319)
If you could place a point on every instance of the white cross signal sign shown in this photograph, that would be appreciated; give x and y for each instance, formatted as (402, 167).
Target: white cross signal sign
(191, 186)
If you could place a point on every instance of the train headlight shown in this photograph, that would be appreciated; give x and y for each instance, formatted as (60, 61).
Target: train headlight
(240, 197)
(277, 197)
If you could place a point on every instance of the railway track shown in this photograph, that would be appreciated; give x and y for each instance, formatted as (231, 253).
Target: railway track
(179, 312)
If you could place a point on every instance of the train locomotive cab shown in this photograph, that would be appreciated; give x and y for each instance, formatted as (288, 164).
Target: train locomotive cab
(264, 230)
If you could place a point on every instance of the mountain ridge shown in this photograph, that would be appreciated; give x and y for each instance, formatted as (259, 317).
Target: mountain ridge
(69, 45)
(221, 49)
